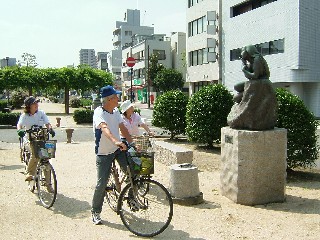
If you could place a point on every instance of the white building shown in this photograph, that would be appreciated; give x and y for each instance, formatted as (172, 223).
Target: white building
(171, 54)
(286, 33)
(88, 56)
(123, 37)
(202, 44)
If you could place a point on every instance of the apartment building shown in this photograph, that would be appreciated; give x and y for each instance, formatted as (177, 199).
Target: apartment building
(284, 31)
(102, 61)
(202, 44)
(123, 37)
(88, 56)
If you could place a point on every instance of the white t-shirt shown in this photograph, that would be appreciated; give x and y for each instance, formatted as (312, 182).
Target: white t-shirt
(133, 124)
(103, 145)
(27, 120)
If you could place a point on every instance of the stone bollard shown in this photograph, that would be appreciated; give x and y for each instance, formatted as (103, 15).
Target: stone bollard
(69, 132)
(184, 184)
(58, 121)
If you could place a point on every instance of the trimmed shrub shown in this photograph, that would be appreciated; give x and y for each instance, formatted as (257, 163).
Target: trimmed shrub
(207, 113)
(9, 118)
(169, 112)
(302, 148)
(75, 102)
(83, 116)
(84, 102)
(3, 104)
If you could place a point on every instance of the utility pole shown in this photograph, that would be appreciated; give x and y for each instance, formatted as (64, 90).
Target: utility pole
(8, 93)
(148, 94)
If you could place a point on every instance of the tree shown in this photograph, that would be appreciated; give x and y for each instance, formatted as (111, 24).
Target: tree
(154, 67)
(168, 79)
(29, 60)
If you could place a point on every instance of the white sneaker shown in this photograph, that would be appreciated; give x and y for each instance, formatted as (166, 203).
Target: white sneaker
(96, 219)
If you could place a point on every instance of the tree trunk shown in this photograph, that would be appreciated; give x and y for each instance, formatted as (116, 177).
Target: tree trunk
(66, 100)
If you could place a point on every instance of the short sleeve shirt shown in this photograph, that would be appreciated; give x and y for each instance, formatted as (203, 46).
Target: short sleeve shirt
(27, 120)
(103, 145)
(133, 124)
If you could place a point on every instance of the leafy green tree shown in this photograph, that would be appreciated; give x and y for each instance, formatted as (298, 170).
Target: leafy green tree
(169, 112)
(154, 67)
(207, 113)
(168, 79)
(301, 125)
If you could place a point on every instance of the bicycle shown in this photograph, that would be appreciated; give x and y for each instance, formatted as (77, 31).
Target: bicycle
(145, 206)
(45, 180)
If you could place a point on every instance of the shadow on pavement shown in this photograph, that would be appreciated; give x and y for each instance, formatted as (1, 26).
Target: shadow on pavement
(71, 207)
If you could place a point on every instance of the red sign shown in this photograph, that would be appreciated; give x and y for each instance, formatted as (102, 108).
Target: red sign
(130, 61)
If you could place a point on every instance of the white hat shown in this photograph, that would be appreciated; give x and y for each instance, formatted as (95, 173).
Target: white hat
(126, 105)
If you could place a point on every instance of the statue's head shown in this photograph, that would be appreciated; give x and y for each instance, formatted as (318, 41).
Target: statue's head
(249, 50)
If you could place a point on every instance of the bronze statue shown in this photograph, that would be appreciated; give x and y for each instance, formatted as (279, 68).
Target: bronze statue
(255, 105)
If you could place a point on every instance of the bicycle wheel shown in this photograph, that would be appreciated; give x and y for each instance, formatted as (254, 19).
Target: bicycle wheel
(46, 184)
(146, 214)
(112, 194)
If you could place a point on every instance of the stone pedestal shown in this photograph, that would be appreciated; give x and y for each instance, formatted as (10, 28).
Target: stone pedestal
(253, 165)
(58, 121)
(184, 184)
(69, 132)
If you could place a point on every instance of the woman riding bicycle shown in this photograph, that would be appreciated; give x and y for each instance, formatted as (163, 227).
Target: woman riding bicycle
(32, 116)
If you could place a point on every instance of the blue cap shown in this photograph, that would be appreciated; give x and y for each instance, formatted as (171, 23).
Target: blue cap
(107, 91)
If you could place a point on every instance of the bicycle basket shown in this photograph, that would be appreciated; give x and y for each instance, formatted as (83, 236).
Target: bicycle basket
(44, 149)
(142, 141)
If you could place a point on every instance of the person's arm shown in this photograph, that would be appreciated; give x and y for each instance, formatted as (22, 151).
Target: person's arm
(125, 133)
(106, 131)
(145, 127)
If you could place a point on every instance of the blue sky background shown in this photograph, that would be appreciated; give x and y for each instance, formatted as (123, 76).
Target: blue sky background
(55, 30)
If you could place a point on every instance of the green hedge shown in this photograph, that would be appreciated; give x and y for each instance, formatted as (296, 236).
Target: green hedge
(9, 118)
(83, 116)
(3, 104)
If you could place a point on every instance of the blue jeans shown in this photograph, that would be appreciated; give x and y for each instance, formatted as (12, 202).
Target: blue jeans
(103, 165)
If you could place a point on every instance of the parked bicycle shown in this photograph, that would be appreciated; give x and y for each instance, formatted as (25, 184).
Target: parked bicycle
(144, 205)
(45, 180)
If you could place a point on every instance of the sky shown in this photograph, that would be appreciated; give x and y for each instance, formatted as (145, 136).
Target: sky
(55, 30)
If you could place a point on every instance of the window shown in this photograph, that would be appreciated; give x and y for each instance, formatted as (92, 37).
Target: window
(248, 6)
(198, 85)
(266, 48)
(235, 54)
(194, 28)
(197, 26)
(160, 53)
(277, 46)
(193, 2)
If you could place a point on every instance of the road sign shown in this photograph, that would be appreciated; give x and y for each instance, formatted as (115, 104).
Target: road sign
(130, 61)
